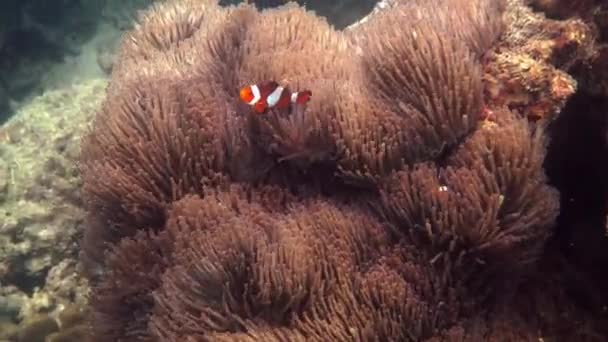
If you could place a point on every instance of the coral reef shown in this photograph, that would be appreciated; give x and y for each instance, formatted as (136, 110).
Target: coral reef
(576, 164)
(576, 160)
(40, 204)
(591, 68)
(66, 325)
(528, 70)
(408, 201)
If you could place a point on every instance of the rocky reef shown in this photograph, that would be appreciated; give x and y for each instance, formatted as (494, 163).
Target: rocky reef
(577, 163)
(408, 201)
(41, 210)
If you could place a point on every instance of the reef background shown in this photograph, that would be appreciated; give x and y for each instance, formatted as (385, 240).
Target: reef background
(551, 70)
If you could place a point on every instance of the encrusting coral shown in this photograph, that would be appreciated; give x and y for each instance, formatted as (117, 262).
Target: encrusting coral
(591, 69)
(387, 210)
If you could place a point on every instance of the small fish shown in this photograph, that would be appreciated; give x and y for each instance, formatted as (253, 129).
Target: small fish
(270, 94)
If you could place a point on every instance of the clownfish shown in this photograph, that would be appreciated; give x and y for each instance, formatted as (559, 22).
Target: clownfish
(270, 94)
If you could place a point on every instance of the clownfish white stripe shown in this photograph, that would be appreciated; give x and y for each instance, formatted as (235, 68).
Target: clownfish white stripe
(256, 95)
(270, 95)
(274, 97)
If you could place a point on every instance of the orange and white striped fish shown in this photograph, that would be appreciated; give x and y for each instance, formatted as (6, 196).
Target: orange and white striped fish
(269, 94)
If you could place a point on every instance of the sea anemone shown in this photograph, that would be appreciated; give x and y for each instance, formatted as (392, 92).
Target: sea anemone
(385, 210)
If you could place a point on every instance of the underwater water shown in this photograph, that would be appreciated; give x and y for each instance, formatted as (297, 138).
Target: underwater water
(349, 170)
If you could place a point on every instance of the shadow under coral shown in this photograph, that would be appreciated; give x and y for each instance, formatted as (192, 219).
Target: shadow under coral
(576, 164)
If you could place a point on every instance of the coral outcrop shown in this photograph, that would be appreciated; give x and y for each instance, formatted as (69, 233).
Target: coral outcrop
(408, 201)
(591, 18)
(576, 161)
(41, 214)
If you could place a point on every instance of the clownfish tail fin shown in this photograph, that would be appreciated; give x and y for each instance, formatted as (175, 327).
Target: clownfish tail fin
(301, 97)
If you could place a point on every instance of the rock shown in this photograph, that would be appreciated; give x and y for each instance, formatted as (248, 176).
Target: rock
(8, 330)
(71, 316)
(40, 207)
(37, 328)
(11, 302)
(73, 334)
(65, 282)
